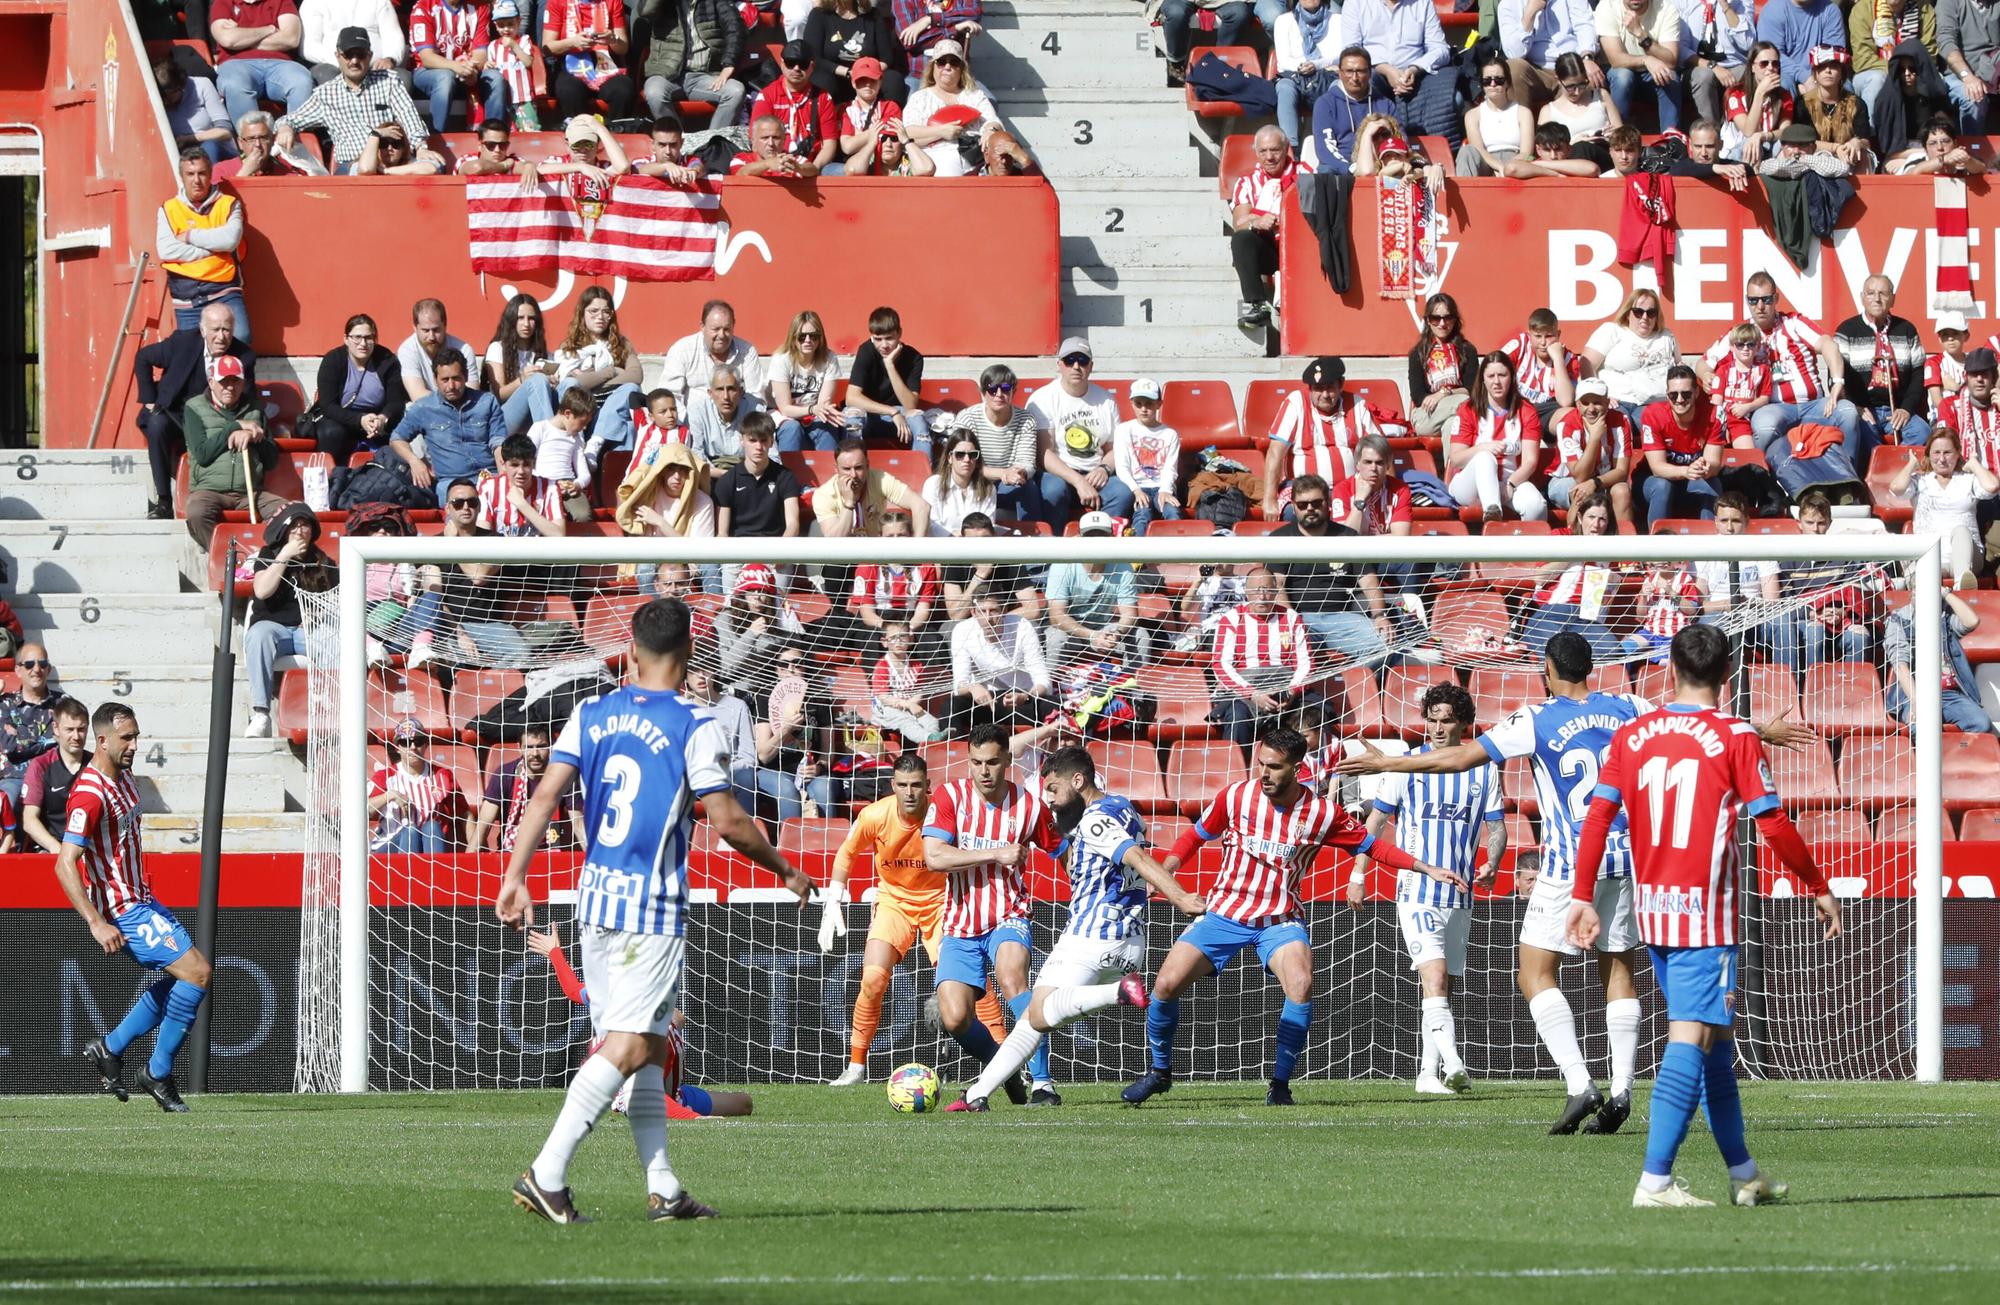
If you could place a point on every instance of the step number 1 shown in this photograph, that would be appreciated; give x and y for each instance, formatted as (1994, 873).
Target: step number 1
(1666, 782)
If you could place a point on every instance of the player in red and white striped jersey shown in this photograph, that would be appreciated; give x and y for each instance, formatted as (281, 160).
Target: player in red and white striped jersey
(977, 833)
(1272, 829)
(102, 871)
(518, 502)
(1682, 773)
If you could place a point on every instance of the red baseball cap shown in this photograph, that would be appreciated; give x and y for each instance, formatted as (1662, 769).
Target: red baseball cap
(224, 366)
(865, 67)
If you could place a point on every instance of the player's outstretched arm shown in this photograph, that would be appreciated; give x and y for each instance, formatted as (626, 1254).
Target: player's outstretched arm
(1371, 760)
(738, 830)
(1782, 732)
(514, 907)
(69, 873)
(1163, 882)
(544, 941)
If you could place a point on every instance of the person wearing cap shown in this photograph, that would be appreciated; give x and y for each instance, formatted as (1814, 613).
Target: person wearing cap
(1808, 375)
(1079, 417)
(418, 804)
(1594, 445)
(812, 124)
(350, 107)
(1968, 44)
(1795, 27)
(842, 33)
(289, 564)
(513, 55)
(1317, 429)
(922, 25)
(1838, 117)
(1944, 371)
(1884, 358)
(1146, 456)
(868, 119)
(1413, 64)
(754, 623)
(1255, 204)
(595, 158)
(448, 42)
(948, 110)
(255, 41)
(1094, 606)
(219, 425)
(323, 21)
(1973, 413)
(169, 373)
(694, 50)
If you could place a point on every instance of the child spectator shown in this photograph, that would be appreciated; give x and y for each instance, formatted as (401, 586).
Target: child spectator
(1146, 455)
(659, 422)
(882, 388)
(1742, 384)
(559, 444)
(1670, 596)
(1593, 451)
(898, 702)
(1555, 157)
(868, 117)
(518, 502)
(514, 55)
(1546, 371)
(1944, 371)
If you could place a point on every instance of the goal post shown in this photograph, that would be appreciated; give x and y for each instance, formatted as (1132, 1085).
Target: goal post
(338, 970)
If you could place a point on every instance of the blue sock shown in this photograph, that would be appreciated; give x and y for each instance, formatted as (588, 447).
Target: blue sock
(1293, 1021)
(697, 1100)
(1163, 1020)
(182, 1003)
(977, 1040)
(1723, 1106)
(1038, 1063)
(1676, 1092)
(142, 1019)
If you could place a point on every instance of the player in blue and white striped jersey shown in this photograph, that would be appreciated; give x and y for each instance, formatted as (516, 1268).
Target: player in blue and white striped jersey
(1095, 962)
(645, 755)
(1442, 820)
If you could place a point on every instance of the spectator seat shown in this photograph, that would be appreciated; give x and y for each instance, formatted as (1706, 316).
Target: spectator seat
(1875, 770)
(1241, 56)
(1204, 412)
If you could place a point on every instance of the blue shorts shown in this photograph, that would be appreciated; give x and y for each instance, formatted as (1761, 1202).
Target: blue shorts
(153, 936)
(697, 1100)
(965, 960)
(1220, 938)
(1699, 982)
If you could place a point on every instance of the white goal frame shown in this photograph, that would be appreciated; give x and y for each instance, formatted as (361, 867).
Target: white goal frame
(1920, 551)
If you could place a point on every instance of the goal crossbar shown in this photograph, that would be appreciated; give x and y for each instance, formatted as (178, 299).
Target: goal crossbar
(1920, 552)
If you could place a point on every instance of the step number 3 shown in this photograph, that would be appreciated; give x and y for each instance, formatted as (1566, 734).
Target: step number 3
(1672, 783)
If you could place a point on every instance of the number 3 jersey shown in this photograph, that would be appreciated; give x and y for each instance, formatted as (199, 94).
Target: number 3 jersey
(643, 757)
(1567, 738)
(1106, 899)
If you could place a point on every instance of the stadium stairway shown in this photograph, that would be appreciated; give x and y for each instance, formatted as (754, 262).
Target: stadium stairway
(108, 592)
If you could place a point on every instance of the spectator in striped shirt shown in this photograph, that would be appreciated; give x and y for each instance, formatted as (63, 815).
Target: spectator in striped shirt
(1944, 371)
(1254, 207)
(448, 43)
(1262, 665)
(1544, 368)
(1594, 446)
(1317, 430)
(417, 804)
(1011, 444)
(1808, 376)
(518, 502)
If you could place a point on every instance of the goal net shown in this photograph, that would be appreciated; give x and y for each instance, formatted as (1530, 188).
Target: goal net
(462, 658)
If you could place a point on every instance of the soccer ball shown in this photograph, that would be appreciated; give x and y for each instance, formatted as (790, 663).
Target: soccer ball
(913, 1090)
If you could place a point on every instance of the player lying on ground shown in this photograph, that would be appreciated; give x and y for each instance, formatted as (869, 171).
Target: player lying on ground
(102, 870)
(646, 755)
(1565, 736)
(1272, 828)
(684, 1100)
(1681, 774)
(1092, 965)
(1444, 819)
(909, 904)
(977, 833)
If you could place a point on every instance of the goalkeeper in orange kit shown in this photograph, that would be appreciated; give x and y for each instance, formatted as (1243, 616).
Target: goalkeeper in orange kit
(909, 904)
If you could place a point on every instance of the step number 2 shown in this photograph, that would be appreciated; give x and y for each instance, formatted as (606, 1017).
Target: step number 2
(1667, 783)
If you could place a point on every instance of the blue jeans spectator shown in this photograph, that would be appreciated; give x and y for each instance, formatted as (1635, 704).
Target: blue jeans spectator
(1060, 504)
(1805, 642)
(1774, 421)
(1971, 117)
(190, 317)
(1431, 109)
(243, 82)
(1146, 505)
(528, 404)
(1876, 421)
(1177, 17)
(496, 643)
(1351, 634)
(1624, 84)
(781, 788)
(426, 839)
(397, 627)
(264, 643)
(793, 436)
(1678, 498)
(1022, 502)
(1296, 96)
(1551, 619)
(876, 425)
(441, 86)
(1866, 84)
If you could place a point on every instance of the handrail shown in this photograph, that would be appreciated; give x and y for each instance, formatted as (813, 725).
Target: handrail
(118, 346)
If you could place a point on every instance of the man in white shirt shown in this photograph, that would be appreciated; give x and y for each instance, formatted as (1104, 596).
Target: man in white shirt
(1641, 41)
(1079, 417)
(692, 360)
(426, 343)
(1535, 33)
(998, 673)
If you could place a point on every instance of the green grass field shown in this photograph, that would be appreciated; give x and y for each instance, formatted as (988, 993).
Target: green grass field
(1360, 1193)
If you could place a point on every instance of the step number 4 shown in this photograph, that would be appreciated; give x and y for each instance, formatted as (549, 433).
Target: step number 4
(1673, 783)
(1052, 43)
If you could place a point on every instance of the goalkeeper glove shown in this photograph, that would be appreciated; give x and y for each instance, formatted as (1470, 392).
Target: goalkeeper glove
(833, 924)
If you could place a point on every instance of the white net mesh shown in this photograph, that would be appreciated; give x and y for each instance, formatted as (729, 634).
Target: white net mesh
(828, 697)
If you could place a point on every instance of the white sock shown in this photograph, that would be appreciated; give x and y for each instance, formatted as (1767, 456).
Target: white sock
(1061, 1005)
(648, 1112)
(1621, 1021)
(624, 1097)
(1014, 1052)
(1427, 1056)
(1442, 1032)
(1655, 1182)
(1557, 1024)
(590, 1094)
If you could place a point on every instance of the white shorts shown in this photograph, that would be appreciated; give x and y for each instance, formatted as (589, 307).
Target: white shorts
(1435, 933)
(1546, 923)
(634, 979)
(1076, 960)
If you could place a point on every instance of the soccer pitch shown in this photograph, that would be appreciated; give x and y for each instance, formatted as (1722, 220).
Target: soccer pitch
(1360, 1193)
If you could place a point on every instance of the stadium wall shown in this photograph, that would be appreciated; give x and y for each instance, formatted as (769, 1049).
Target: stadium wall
(1514, 246)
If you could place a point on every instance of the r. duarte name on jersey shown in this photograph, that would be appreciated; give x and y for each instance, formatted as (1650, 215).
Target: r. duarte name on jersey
(1671, 723)
(631, 722)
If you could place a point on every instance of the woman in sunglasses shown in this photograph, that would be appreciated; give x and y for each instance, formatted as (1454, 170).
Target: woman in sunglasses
(960, 486)
(1585, 109)
(1497, 130)
(1631, 353)
(1443, 367)
(804, 373)
(1010, 444)
(1760, 107)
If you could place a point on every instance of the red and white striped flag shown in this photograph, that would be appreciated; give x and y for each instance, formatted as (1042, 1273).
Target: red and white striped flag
(648, 231)
(1952, 288)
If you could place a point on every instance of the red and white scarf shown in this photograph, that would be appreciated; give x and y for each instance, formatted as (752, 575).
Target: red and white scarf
(1952, 291)
(1408, 225)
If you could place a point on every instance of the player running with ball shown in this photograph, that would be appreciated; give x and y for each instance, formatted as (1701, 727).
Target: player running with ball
(1091, 965)
(646, 755)
(1680, 774)
(1272, 828)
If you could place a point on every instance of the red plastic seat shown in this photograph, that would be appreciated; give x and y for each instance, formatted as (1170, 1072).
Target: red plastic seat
(1204, 412)
(1198, 768)
(1180, 701)
(1612, 679)
(852, 690)
(610, 473)
(1846, 698)
(1239, 156)
(1354, 704)
(1898, 825)
(813, 468)
(1876, 770)
(803, 837)
(1883, 464)
(248, 540)
(607, 621)
(1683, 526)
(1403, 689)
(291, 710)
(1980, 825)
(1521, 835)
(1238, 56)
(1508, 572)
(395, 696)
(1971, 770)
(474, 692)
(1983, 644)
(283, 402)
(1435, 147)
(1517, 785)
(1763, 691)
(1805, 777)
(952, 395)
(906, 465)
(1772, 526)
(1131, 769)
(1836, 825)
(1495, 693)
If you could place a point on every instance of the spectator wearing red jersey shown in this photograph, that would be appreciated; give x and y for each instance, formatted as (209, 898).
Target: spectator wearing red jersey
(1255, 205)
(448, 42)
(417, 804)
(1974, 414)
(589, 39)
(768, 157)
(810, 118)
(867, 118)
(1761, 107)
(46, 783)
(1492, 456)
(842, 33)
(517, 502)
(1545, 369)
(1944, 371)
(1594, 445)
(1682, 440)
(1808, 379)
(1316, 431)
(883, 591)
(1374, 500)
(1262, 664)
(1741, 384)
(1444, 367)
(923, 25)
(255, 43)
(1575, 596)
